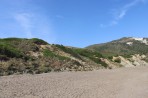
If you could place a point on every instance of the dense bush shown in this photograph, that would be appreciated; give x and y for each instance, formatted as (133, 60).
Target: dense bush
(127, 56)
(48, 53)
(68, 50)
(93, 55)
(9, 51)
(3, 58)
(11, 39)
(43, 69)
(118, 60)
(23, 45)
(38, 41)
(88, 53)
(110, 57)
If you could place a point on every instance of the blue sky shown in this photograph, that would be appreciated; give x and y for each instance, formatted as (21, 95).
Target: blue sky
(76, 23)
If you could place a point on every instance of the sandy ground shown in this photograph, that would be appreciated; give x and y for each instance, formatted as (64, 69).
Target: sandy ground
(115, 83)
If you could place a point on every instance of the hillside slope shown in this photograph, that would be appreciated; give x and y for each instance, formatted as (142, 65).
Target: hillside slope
(127, 51)
(35, 56)
(19, 56)
(124, 46)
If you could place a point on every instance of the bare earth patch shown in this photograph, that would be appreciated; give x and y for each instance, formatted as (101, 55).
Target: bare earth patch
(115, 83)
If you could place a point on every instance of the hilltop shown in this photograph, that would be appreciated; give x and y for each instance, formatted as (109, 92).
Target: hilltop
(124, 46)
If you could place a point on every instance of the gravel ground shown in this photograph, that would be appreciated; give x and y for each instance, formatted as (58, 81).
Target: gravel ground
(115, 83)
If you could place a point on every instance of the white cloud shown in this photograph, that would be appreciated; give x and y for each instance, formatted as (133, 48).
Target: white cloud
(36, 25)
(121, 12)
(27, 19)
(24, 20)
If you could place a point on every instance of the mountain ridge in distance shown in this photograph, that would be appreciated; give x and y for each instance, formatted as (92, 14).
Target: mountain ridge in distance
(122, 46)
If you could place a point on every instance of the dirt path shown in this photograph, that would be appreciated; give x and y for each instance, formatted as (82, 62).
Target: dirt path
(116, 83)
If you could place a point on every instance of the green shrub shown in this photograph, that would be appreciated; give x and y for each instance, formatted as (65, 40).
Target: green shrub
(9, 51)
(38, 41)
(62, 57)
(68, 50)
(118, 60)
(88, 53)
(3, 58)
(43, 69)
(12, 69)
(48, 53)
(93, 55)
(110, 57)
(127, 56)
(103, 64)
(11, 39)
